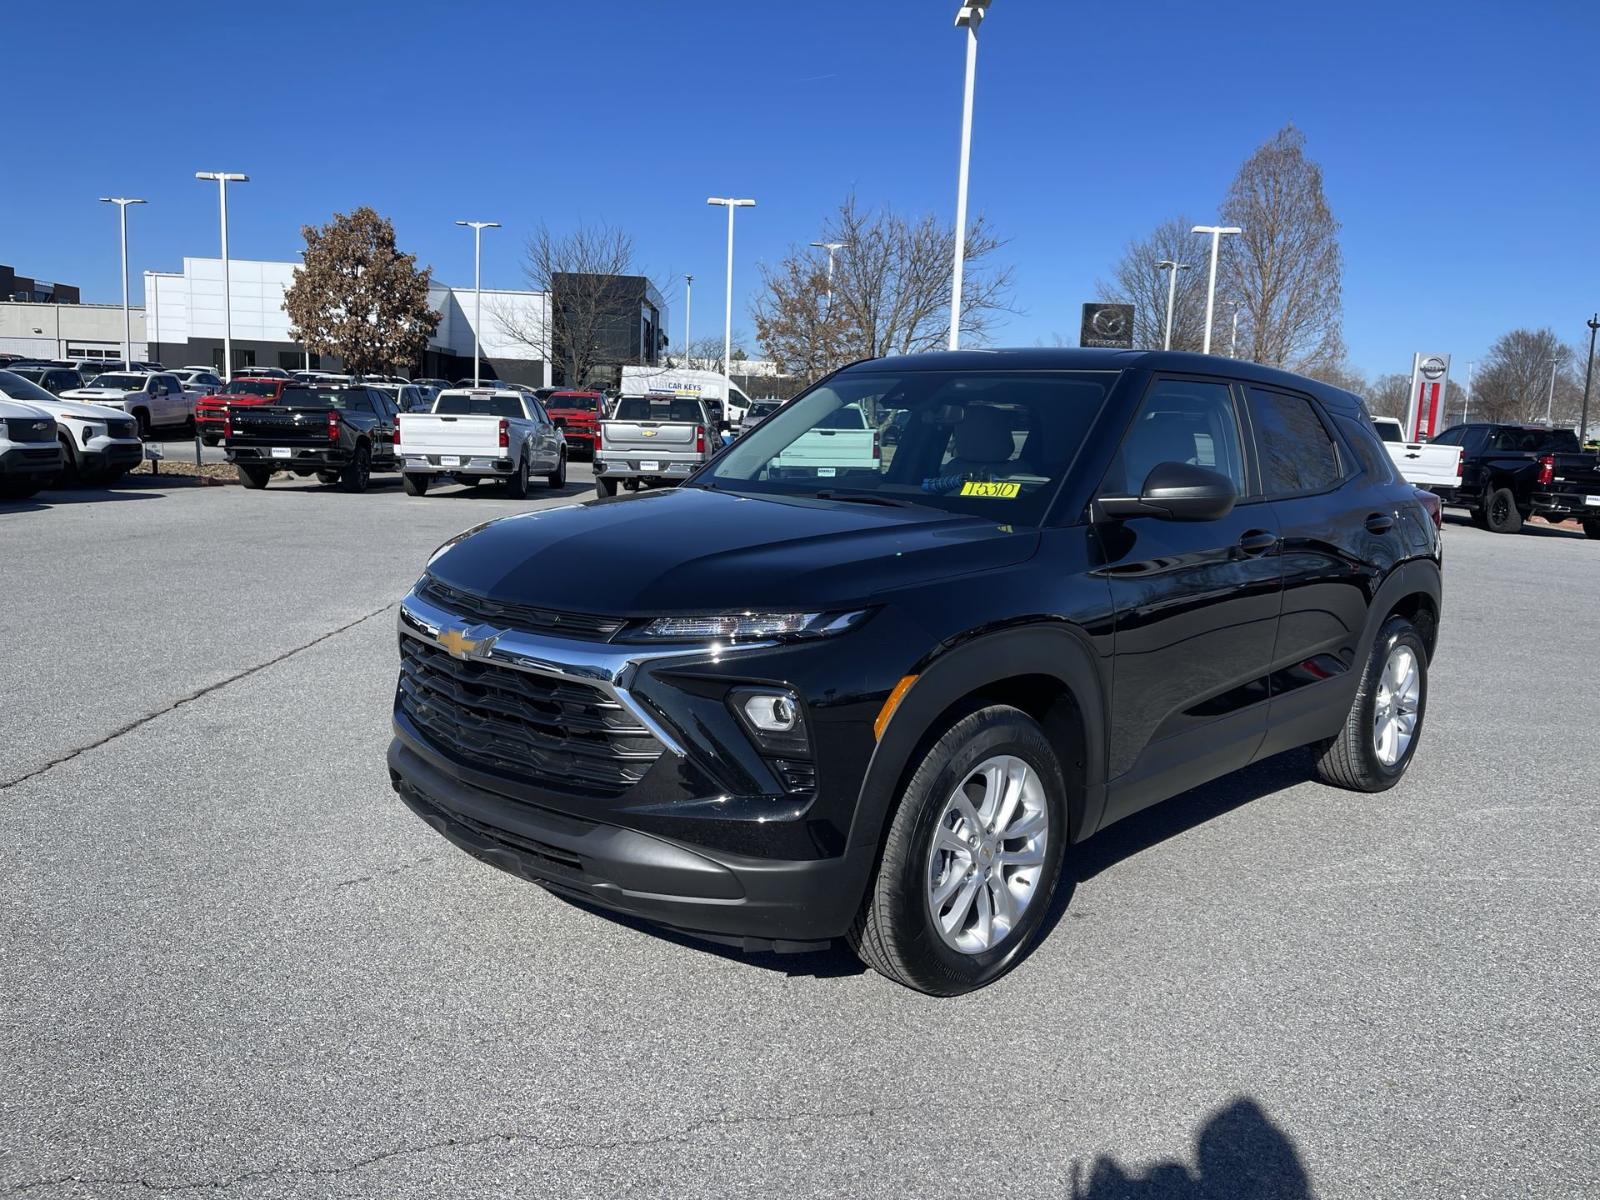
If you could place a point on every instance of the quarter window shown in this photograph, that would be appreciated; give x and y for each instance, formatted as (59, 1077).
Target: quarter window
(1183, 421)
(1297, 455)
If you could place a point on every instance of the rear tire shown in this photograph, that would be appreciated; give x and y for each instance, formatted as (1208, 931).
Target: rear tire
(517, 481)
(414, 484)
(357, 473)
(1352, 758)
(606, 487)
(1500, 511)
(1592, 529)
(558, 477)
(927, 866)
(253, 477)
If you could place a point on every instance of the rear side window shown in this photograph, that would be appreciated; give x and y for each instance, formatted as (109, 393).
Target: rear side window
(1296, 453)
(1369, 451)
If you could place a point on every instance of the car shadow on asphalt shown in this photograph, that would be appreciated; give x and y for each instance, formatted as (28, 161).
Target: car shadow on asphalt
(1569, 529)
(1239, 1154)
(57, 497)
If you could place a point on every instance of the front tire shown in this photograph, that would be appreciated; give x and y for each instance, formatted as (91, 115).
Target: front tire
(972, 857)
(1500, 511)
(558, 477)
(1384, 725)
(253, 477)
(71, 475)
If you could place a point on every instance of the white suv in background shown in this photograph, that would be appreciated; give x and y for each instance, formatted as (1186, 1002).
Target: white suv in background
(155, 399)
(98, 444)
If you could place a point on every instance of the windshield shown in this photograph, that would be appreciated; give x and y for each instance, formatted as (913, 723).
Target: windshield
(479, 406)
(128, 383)
(762, 408)
(252, 387)
(574, 403)
(18, 388)
(982, 443)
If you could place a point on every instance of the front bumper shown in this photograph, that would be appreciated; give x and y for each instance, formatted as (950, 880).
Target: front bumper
(104, 454)
(25, 460)
(754, 904)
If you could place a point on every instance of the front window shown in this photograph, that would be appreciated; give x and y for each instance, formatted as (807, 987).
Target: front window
(989, 444)
(128, 383)
(573, 403)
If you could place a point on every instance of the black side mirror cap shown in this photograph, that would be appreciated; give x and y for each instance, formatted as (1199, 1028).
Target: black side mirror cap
(1175, 491)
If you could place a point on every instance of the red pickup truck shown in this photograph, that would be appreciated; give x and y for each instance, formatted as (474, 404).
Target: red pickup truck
(208, 410)
(578, 413)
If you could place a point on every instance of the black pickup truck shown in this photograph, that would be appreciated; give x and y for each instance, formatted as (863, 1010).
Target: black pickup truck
(1512, 472)
(340, 434)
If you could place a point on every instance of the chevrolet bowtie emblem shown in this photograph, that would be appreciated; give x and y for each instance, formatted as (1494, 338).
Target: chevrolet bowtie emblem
(473, 642)
(648, 432)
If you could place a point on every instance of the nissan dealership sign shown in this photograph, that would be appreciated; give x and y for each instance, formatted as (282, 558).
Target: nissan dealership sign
(1430, 375)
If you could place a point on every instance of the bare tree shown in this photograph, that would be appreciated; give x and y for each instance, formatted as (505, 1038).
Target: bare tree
(1389, 396)
(891, 290)
(1138, 282)
(586, 322)
(358, 297)
(1340, 374)
(1285, 268)
(1513, 384)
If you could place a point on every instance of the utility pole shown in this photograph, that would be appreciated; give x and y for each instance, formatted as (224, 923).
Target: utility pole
(1233, 342)
(688, 299)
(1466, 407)
(1171, 268)
(1550, 398)
(969, 17)
(1588, 374)
(1216, 232)
(223, 179)
(477, 228)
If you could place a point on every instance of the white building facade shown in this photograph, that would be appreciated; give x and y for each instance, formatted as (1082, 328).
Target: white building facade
(184, 324)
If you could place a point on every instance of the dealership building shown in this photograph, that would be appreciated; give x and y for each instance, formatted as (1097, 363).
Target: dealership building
(184, 324)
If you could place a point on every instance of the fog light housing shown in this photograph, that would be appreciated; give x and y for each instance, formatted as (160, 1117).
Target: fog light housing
(774, 719)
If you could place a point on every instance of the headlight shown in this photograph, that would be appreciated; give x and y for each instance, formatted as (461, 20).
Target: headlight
(744, 627)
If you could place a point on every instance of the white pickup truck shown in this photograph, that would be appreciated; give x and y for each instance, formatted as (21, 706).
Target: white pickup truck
(481, 433)
(1419, 463)
(841, 441)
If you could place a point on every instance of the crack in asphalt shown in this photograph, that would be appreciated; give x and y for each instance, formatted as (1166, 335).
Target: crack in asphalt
(687, 1133)
(138, 722)
(386, 871)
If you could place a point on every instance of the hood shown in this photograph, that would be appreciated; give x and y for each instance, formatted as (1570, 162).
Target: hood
(99, 395)
(82, 410)
(16, 410)
(692, 550)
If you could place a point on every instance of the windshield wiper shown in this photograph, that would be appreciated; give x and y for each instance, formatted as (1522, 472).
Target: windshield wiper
(865, 498)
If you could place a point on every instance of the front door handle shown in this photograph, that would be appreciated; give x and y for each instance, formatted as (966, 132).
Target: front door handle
(1379, 523)
(1258, 541)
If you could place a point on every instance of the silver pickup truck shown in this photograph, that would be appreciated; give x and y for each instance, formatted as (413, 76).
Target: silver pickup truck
(654, 439)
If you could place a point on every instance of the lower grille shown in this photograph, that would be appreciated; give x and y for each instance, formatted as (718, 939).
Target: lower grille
(556, 734)
(31, 429)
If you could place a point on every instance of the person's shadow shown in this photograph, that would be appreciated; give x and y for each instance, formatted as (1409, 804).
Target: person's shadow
(1239, 1155)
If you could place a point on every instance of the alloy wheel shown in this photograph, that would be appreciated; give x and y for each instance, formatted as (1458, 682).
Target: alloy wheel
(1394, 718)
(987, 854)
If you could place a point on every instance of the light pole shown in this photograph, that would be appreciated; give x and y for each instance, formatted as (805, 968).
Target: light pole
(1216, 232)
(688, 299)
(1550, 398)
(477, 228)
(1233, 338)
(1172, 268)
(830, 247)
(968, 17)
(1588, 372)
(122, 203)
(727, 320)
(224, 178)
(1466, 405)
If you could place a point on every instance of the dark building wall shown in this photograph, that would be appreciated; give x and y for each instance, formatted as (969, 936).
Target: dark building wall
(22, 287)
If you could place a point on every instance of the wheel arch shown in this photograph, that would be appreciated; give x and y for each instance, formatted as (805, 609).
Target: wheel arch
(1415, 591)
(1047, 670)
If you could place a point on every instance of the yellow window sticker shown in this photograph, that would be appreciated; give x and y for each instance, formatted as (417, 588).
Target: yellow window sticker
(995, 491)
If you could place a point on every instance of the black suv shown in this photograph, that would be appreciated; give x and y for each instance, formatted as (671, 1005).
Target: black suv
(879, 696)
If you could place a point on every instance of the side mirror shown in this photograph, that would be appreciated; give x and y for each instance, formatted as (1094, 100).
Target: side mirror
(1175, 491)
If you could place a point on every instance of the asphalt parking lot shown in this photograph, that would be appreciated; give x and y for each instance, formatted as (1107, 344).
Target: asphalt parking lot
(233, 963)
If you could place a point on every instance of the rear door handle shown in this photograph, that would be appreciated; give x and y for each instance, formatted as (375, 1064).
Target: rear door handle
(1258, 541)
(1379, 523)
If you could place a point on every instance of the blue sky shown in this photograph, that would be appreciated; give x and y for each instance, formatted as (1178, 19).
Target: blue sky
(1458, 139)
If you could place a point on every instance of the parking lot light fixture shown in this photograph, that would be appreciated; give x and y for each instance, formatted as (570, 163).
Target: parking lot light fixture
(968, 17)
(1216, 232)
(477, 228)
(1172, 268)
(122, 203)
(727, 318)
(223, 179)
